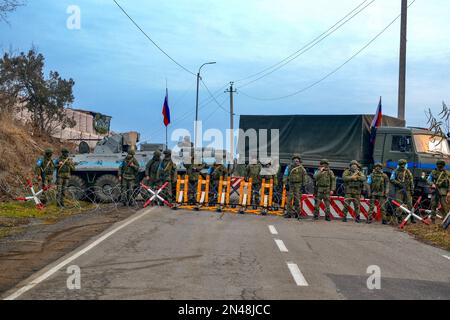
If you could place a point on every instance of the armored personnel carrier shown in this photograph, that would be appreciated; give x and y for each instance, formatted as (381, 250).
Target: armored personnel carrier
(96, 173)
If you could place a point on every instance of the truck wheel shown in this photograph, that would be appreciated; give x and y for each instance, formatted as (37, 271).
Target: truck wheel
(76, 188)
(107, 188)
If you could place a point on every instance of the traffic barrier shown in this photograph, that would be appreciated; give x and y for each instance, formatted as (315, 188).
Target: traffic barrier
(182, 190)
(410, 213)
(202, 192)
(155, 195)
(34, 195)
(223, 199)
(245, 195)
(266, 196)
(337, 208)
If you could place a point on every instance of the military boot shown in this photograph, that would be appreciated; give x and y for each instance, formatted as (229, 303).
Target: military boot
(345, 218)
(327, 217)
(358, 219)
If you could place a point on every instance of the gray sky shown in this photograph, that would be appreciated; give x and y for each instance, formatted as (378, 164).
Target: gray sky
(120, 73)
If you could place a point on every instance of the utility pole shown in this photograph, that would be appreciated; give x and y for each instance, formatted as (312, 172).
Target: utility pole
(231, 91)
(402, 77)
(199, 78)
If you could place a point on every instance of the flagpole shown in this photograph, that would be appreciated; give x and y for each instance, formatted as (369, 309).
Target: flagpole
(167, 95)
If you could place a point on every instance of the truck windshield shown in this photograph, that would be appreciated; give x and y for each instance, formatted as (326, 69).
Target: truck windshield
(429, 144)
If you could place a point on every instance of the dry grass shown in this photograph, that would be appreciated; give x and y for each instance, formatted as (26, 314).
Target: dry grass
(18, 153)
(433, 235)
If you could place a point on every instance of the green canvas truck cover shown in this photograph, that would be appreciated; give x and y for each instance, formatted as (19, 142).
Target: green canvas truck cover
(339, 138)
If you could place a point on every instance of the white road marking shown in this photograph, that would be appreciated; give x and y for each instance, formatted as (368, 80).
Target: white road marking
(273, 230)
(297, 275)
(281, 245)
(446, 257)
(76, 255)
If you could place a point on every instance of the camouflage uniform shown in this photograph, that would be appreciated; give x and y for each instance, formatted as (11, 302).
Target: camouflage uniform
(295, 176)
(379, 189)
(65, 166)
(253, 171)
(439, 179)
(167, 172)
(151, 170)
(403, 181)
(128, 171)
(325, 184)
(354, 181)
(193, 171)
(44, 170)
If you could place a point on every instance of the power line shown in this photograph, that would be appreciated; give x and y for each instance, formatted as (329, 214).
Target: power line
(351, 15)
(151, 40)
(334, 71)
(220, 105)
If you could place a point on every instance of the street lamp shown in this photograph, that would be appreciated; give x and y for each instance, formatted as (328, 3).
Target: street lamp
(196, 104)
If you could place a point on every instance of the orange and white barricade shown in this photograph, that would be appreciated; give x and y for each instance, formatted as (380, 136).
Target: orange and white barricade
(223, 194)
(182, 190)
(202, 192)
(266, 196)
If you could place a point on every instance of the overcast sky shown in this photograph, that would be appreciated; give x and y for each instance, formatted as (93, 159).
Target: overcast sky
(120, 73)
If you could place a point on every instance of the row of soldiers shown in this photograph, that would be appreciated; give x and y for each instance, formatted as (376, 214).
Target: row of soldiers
(47, 167)
(354, 179)
(161, 170)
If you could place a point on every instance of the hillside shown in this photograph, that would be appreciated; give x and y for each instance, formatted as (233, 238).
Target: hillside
(19, 150)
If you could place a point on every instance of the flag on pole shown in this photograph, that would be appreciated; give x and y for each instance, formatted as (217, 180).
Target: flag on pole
(376, 123)
(166, 109)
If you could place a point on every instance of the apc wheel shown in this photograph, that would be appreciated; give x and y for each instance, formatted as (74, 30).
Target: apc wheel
(107, 189)
(76, 188)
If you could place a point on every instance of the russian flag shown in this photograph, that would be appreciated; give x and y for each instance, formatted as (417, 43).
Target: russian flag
(166, 109)
(376, 123)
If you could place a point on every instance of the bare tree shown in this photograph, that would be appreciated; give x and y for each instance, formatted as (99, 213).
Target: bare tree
(440, 125)
(8, 6)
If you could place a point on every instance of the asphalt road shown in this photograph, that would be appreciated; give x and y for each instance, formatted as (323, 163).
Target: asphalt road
(163, 254)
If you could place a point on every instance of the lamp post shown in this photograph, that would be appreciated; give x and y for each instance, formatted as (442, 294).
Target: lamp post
(196, 104)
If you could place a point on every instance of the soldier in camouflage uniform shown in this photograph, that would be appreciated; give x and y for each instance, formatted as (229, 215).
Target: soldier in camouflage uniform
(151, 169)
(354, 181)
(128, 171)
(439, 182)
(64, 166)
(295, 177)
(403, 180)
(379, 189)
(253, 171)
(44, 172)
(167, 172)
(193, 171)
(325, 186)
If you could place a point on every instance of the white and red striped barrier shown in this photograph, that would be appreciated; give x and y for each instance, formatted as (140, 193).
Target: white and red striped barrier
(337, 208)
(155, 195)
(34, 195)
(410, 214)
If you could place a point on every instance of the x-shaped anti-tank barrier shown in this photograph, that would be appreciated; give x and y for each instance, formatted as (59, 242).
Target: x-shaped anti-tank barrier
(35, 196)
(155, 196)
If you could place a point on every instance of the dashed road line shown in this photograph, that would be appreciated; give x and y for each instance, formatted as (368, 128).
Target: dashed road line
(446, 257)
(281, 245)
(75, 256)
(297, 275)
(273, 230)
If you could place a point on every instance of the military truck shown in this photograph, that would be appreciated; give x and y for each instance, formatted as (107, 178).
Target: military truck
(342, 138)
(96, 174)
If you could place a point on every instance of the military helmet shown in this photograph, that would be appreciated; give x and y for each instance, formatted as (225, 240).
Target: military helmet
(48, 152)
(378, 165)
(402, 162)
(355, 163)
(64, 151)
(441, 163)
(324, 161)
(297, 156)
(157, 153)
